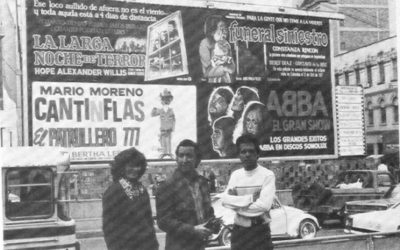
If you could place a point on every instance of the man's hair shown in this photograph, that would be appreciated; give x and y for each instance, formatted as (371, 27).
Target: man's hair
(248, 138)
(190, 143)
(225, 93)
(249, 94)
(131, 155)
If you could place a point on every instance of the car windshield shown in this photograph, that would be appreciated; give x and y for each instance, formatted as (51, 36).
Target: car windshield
(395, 206)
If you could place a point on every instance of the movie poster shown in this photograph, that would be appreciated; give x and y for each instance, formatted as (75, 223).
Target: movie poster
(98, 120)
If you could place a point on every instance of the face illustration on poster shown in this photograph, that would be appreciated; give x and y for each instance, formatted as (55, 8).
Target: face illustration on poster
(242, 96)
(218, 103)
(253, 118)
(231, 115)
(222, 137)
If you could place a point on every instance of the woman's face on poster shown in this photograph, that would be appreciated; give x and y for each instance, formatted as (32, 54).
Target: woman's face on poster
(253, 121)
(221, 31)
(238, 103)
(217, 138)
(218, 105)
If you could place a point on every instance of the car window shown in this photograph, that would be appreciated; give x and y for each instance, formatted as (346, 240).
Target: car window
(29, 193)
(396, 192)
(384, 180)
(275, 204)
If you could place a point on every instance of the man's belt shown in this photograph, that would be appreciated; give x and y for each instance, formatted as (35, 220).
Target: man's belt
(257, 220)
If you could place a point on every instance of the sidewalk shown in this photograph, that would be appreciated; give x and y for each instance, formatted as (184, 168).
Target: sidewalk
(83, 234)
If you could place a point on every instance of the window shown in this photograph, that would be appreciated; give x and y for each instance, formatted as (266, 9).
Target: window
(346, 78)
(384, 180)
(394, 68)
(370, 149)
(342, 45)
(370, 112)
(30, 194)
(1, 95)
(395, 110)
(380, 148)
(275, 204)
(369, 76)
(337, 79)
(357, 72)
(381, 72)
(382, 110)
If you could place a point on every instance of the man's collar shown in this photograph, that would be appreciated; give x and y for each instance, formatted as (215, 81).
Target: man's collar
(190, 177)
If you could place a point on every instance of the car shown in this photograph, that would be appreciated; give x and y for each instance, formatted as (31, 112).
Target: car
(286, 222)
(391, 197)
(376, 221)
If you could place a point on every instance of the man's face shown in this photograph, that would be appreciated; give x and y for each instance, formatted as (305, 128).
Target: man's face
(217, 138)
(132, 171)
(238, 103)
(253, 121)
(186, 159)
(218, 105)
(248, 155)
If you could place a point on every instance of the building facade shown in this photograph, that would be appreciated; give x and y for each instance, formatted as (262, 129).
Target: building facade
(10, 76)
(365, 22)
(375, 68)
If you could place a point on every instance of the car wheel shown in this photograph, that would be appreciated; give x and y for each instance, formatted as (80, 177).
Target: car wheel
(225, 237)
(307, 229)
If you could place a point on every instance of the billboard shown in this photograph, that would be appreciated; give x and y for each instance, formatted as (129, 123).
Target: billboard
(230, 72)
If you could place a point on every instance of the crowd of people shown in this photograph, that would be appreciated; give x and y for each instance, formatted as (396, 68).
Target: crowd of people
(183, 202)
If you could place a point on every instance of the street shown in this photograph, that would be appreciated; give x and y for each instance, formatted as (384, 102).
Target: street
(99, 244)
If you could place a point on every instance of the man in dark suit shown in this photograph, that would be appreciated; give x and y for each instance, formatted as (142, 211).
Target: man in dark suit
(183, 202)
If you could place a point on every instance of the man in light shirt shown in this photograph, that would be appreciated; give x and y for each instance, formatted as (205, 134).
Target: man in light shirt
(250, 193)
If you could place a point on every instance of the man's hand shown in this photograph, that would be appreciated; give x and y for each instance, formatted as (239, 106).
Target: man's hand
(202, 230)
(256, 195)
(232, 191)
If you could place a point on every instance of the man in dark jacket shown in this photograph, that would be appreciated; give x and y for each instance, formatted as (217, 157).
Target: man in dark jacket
(183, 202)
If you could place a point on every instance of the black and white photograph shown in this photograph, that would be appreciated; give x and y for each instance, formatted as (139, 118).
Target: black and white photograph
(199, 125)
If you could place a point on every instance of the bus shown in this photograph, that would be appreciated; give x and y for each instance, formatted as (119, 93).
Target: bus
(35, 195)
